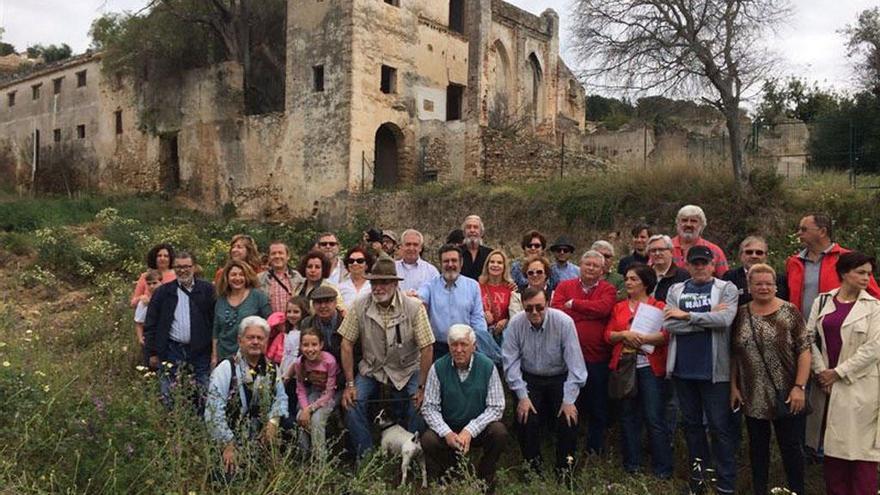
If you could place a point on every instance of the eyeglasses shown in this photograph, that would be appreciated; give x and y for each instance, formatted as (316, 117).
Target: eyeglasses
(328, 243)
(562, 250)
(657, 250)
(607, 256)
(359, 261)
(534, 273)
(183, 267)
(754, 252)
(535, 245)
(533, 308)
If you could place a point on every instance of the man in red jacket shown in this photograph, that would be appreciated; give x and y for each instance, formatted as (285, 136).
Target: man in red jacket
(812, 271)
(588, 300)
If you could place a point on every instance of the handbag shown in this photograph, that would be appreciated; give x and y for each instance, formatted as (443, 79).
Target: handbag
(622, 381)
(781, 407)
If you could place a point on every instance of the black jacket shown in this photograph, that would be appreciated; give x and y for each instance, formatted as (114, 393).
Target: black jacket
(673, 276)
(738, 277)
(160, 315)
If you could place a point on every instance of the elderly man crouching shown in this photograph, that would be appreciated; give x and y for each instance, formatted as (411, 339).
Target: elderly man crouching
(240, 388)
(463, 406)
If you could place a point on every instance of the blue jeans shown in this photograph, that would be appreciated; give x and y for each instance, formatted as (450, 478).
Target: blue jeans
(358, 423)
(696, 397)
(200, 363)
(593, 405)
(648, 406)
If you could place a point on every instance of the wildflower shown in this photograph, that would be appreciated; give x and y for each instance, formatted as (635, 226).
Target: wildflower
(39, 373)
(140, 368)
(28, 331)
(125, 348)
(45, 388)
(2, 344)
(6, 364)
(569, 460)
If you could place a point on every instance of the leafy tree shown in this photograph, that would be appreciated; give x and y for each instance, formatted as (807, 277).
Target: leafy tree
(171, 36)
(694, 47)
(796, 99)
(864, 45)
(612, 112)
(49, 53)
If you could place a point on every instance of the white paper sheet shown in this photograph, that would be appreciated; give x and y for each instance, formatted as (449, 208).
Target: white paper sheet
(647, 320)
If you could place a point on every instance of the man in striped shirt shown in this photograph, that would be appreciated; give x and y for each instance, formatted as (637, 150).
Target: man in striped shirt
(464, 402)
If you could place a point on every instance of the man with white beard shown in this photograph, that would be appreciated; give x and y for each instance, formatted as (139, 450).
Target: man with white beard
(396, 346)
(473, 252)
(690, 223)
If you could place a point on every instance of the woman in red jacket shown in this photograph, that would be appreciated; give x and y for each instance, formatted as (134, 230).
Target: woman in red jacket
(648, 350)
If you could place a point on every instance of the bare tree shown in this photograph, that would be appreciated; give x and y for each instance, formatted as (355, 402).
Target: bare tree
(706, 48)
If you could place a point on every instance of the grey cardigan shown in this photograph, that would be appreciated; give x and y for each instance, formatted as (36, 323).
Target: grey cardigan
(717, 321)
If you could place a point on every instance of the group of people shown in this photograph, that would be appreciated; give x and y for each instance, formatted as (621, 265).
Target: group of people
(669, 336)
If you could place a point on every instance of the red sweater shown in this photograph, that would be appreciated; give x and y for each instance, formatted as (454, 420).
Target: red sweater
(828, 279)
(590, 312)
(620, 320)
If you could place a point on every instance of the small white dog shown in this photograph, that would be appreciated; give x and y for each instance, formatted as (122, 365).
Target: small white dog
(397, 440)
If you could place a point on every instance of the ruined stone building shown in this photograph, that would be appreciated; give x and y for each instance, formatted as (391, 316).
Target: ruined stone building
(379, 93)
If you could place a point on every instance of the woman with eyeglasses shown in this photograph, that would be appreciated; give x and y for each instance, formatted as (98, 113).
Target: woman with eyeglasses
(846, 368)
(537, 270)
(358, 262)
(496, 288)
(242, 248)
(237, 298)
(533, 244)
(647, 353)
(770, 361)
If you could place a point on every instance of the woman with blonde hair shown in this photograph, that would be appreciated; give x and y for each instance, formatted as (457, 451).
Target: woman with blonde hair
(496, 288)
(242, 247)
(237, 298)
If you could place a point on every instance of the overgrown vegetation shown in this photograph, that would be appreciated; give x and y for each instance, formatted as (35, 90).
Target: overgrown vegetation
(78, 417)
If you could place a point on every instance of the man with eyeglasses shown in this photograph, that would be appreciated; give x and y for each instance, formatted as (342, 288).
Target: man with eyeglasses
(753, 250)
(178, 328)
(813, 270)
(562, 269)
(606, 249)
(589, 301)
(328, 243)
(660, 259)
(546, 384)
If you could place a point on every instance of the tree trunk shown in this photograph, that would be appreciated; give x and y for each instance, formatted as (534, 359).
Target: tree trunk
(731, 116)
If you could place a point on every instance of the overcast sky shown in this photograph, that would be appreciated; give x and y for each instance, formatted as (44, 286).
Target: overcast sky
(809, 44)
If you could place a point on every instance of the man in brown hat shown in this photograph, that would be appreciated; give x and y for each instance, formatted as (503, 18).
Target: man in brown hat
(396, 344)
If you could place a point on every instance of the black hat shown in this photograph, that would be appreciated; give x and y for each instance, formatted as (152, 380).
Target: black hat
(699, 253)
(455, 237)
(561, 241)
(374, 235)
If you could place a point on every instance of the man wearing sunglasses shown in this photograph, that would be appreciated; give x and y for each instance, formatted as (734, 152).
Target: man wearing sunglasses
(753, 250)
(328, 243)
(563, 269)
(546, 383)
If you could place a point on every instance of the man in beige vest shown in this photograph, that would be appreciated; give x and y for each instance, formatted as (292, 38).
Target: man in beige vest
(397, 348)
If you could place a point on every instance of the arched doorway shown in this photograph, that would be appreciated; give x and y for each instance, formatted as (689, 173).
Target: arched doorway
(535, 89)
(386, 163)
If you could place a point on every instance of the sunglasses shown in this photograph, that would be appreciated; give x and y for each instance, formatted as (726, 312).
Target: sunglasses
(754, 252)
(562, 250)
(535, 245)
(533, 308)
(534, 273)
(328, 243)
(359, 261)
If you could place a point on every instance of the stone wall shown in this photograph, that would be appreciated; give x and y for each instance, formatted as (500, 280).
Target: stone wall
(512, 158)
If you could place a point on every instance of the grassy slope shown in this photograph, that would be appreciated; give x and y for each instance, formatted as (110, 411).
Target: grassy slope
(77, 417)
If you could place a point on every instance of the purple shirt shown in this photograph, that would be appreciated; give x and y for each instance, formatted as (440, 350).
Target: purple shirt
(831, 326)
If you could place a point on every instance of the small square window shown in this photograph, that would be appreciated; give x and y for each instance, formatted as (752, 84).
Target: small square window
(318, 78)
(56, 135)
(395, 3)
(389, 80)
(80, 79)
(10, 98)
(56, 85)
(81, 131)
(118, 117)
(35, 91)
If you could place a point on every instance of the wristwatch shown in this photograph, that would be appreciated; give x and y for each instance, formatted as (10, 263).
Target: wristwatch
(802, 387)
(349, 384)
